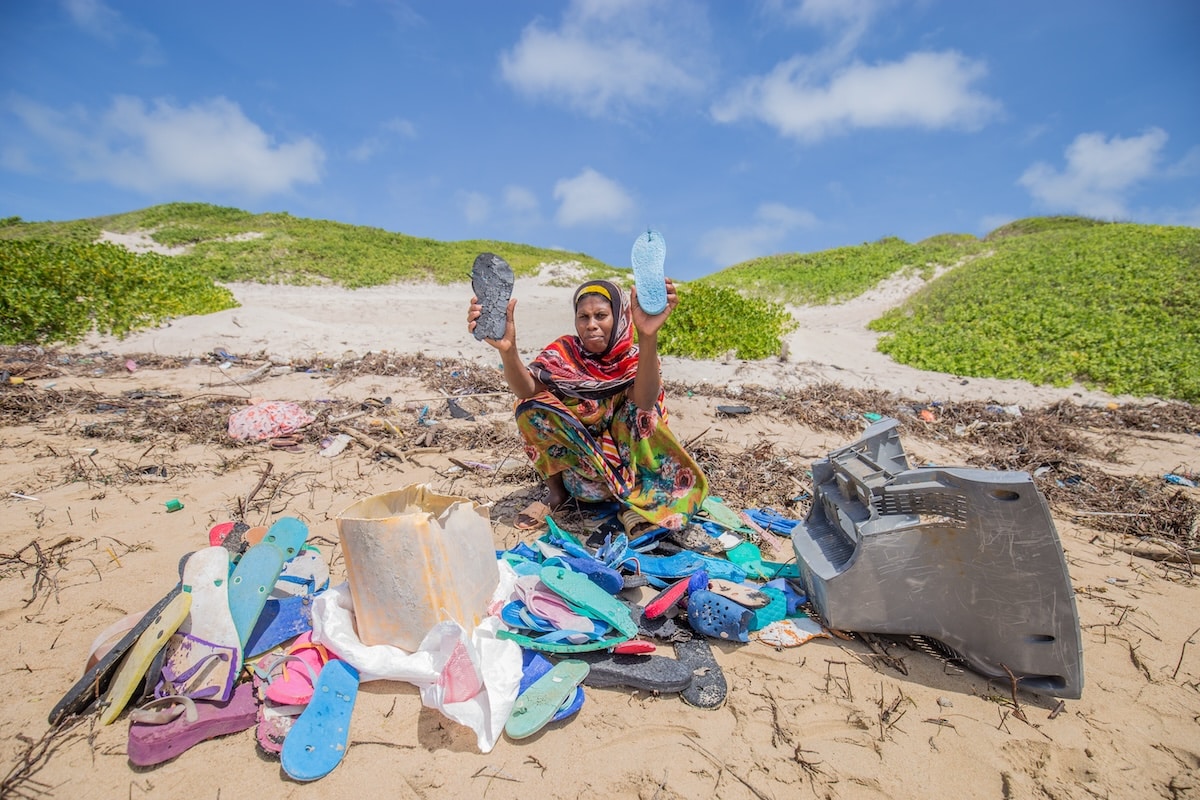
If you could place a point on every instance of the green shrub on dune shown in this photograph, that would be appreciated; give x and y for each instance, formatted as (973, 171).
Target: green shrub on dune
(1115, 306)
(839, 274)
(712, 321)
(53, 292)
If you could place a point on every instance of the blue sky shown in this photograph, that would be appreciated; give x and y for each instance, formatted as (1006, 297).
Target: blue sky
(738, 129)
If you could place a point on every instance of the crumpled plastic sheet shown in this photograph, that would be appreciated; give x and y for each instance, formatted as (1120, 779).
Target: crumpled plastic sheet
(470, 676)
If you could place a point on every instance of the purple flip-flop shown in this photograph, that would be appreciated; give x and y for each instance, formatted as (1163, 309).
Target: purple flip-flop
(151, 744)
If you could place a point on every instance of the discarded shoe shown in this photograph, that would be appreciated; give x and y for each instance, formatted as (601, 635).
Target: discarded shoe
(250, 585)
(205, 654)
(151, 744)
(281, 620)
(538, 704)
(135, 664)
(648, 258)
(719, 617)
(317, 741)
(492, 282)
(291, 678)
(740, 593)
(708, 688)
(307, 573)
(533, 516)
(533, 666)
(648, 673)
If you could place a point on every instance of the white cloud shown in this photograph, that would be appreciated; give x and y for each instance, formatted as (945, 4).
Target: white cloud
(375, 144)
(774, 221)
(606, 57)
(520, 200)
(591, 199)
(1098, 175)
(476, 207)
(209, 145)
(99, 21)
(924, 90)
(849, 19)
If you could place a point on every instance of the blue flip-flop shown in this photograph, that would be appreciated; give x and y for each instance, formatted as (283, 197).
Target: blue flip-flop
(317, 741)
(648, 257)
(250, 585)
(289, 535)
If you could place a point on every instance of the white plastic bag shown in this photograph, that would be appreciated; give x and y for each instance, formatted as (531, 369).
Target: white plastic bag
(471, 677)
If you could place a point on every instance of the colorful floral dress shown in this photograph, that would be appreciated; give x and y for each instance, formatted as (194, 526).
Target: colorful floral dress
(586, 427)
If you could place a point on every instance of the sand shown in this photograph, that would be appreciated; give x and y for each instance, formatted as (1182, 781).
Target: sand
(827, 719)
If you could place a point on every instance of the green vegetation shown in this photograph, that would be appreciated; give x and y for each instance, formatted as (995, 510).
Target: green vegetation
(712, 320)
(1115, 306)
(59, 291)
(844, 272)
(1046, 299)
(228, 244)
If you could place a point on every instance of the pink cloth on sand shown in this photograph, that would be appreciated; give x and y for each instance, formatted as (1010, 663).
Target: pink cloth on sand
(267, 420)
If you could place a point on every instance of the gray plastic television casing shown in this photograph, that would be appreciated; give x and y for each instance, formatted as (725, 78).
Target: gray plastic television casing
(967, 557)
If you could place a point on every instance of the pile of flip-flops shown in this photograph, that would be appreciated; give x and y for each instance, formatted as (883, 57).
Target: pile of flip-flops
(179, 666)
(230, 647)
(567, 606)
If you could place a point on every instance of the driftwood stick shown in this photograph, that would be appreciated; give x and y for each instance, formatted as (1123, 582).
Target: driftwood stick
(374, 444)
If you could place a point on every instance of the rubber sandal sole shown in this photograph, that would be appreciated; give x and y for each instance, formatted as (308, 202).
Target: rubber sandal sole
(648, 257)
(648, 673)
(708, 688)
(539, 703)
(317, 741)
(136, 663)
(250, 585)
(492, 283)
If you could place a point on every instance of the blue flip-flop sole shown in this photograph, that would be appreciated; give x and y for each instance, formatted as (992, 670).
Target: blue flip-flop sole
(649, 257)
(250, 585)
(492, 282)
(289, 535)
(317, 741)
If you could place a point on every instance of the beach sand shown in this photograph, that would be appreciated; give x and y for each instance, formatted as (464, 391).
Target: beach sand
(827, 719)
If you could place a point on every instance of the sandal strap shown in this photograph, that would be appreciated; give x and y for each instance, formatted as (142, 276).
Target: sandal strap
(176, 704)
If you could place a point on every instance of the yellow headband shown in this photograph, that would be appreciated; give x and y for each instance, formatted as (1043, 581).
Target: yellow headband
(594, 289)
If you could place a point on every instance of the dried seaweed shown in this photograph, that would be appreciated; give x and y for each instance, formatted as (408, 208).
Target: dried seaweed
(1054, 443)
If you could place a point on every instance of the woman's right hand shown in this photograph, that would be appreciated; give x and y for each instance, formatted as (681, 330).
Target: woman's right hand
(509, 340)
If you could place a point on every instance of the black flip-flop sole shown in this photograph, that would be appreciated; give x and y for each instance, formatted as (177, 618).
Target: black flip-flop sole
(708, 688)
(649, 673)
(92, 686)
(492, 282)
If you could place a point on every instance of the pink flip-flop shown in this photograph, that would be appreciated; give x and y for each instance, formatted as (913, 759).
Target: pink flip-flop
(287, 683)
(549, 605)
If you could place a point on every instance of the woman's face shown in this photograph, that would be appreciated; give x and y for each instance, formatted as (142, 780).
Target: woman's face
(594, 322)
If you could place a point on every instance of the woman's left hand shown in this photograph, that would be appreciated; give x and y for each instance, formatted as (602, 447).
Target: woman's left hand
(648, 324)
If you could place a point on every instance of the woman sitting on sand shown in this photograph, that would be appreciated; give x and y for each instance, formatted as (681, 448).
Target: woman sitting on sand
(590, 409)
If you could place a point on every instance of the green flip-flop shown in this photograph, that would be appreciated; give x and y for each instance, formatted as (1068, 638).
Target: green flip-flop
(537, 705)
(578, 590)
